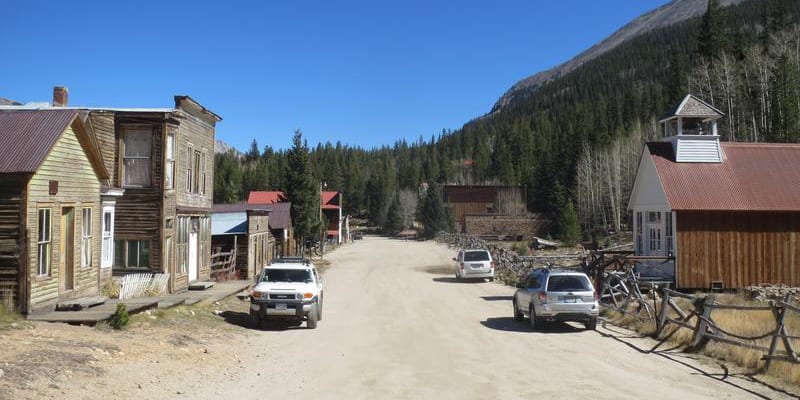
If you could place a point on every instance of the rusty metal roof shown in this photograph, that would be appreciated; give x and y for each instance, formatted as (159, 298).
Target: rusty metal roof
(469, 194)
(752, 177)
(26, 137)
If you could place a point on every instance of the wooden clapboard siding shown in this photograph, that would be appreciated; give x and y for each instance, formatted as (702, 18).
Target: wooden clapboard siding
(739, 249)
(11, 234)
(138, 213)
(104, 132)
(78, 187)
(199, 135)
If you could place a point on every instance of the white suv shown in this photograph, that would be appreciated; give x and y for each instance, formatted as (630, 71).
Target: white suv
(290, 289)
(474, 264)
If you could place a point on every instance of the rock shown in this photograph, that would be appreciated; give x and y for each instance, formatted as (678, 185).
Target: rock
(178, 392)
(139, 385)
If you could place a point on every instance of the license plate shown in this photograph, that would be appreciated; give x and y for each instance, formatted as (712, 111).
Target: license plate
(476, 265)
(570, 299)
(280, 306)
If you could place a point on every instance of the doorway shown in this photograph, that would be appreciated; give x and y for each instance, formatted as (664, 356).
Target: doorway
(193, 236)
(67, 259)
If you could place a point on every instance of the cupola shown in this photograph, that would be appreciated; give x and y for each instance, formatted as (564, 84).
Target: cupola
(691, 127)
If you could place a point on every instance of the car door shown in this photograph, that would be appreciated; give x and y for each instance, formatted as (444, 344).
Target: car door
(459, 260)
(523, 294)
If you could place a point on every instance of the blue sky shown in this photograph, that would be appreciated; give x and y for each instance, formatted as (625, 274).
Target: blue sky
(366, 73)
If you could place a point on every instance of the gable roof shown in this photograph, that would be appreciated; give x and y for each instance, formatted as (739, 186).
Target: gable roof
(330, 200)
(692, 107)
(265, 197)
(27, 136)
(752, 177)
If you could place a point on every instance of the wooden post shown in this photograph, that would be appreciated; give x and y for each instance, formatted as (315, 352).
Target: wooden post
(703, 307)
(780, 332)
(662, 315)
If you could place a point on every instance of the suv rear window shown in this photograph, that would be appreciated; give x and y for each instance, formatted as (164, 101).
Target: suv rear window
(286, 275)
(568, 283)
(476, 256)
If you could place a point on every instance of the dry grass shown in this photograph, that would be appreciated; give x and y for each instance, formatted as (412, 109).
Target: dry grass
(8, 313)
(743, 323)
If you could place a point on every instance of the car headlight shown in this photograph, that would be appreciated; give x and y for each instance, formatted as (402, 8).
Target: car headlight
(299, 296)
(257, 294)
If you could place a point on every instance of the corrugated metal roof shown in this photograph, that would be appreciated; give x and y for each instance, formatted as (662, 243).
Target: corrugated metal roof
(264, 197)
(229, 223)
(281, 216)
(330, 200)
(238, 207)
(26, 137)
(752, 177)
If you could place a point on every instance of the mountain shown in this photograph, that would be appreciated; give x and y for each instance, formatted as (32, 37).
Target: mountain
(222, 147)
(669, 14)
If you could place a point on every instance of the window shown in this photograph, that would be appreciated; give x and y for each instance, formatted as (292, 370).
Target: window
(136, 160)
(86, 237)
(286, 275)
(476, 256)
(568, 283)
(168, 254)
(132, 253)
(196, 183)
(533, 282)
(639, 247)
(108, 238)
(668, 232)
(169, 162)
(203, 174)
(654, 231)
(189, 170)
(43, 242)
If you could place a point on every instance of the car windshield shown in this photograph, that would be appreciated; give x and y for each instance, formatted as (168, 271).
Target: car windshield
(568, 283)
(476, 256)
(286, 275)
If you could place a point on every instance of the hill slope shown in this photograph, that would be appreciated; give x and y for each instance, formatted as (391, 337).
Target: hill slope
(666, 15)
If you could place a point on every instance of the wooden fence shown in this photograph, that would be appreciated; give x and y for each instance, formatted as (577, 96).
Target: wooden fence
(223, 265)
(701, 321)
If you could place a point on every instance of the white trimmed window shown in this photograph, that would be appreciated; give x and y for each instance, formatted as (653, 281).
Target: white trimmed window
(654, 232)
(86, 237)
(189, 169)
(668, 233)
(43, 242)
(169, 161)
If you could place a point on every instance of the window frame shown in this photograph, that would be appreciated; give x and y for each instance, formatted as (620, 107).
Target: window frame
(44, 245)
(126, 253)
(126, 130)
(169, 161)
(189, 168)
(87, 237)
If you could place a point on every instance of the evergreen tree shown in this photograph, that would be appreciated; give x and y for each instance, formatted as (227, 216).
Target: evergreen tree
(302, 191)
(569, 228)
(433, 214)
(712, 38)
(394, 219)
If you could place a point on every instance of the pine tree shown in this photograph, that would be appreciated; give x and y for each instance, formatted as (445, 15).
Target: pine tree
(302, 191)
(569, 227)
(433, 214)
(394, 219)
(712, 38)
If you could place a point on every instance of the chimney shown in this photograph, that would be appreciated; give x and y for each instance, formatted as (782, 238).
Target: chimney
(60, 94)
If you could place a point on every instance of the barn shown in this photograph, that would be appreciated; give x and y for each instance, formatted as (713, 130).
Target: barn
(728, 214)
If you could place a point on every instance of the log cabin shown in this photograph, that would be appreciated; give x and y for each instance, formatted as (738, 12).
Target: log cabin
(51, 177)
(728, 214)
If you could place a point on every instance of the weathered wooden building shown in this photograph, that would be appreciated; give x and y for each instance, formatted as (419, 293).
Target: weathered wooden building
(492, 210)
(51, 177)
(729, 213)
(245, 229)
(164, 161)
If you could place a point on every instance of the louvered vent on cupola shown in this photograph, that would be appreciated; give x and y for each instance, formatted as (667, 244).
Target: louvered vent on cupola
(691, 127)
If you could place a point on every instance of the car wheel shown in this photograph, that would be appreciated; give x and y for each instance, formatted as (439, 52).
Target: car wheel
(319, 310)
(255, 321)
(313, 317)
(534, 321)
(517, 313)
(591, 324)
(491, 279)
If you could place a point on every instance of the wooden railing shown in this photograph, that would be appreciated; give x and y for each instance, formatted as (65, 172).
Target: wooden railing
(223, 265)
(701, 321)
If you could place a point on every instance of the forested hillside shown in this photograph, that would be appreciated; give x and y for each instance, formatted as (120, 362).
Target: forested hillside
(577, 139)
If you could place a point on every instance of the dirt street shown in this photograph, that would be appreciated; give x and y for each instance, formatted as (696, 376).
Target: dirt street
(396, 325)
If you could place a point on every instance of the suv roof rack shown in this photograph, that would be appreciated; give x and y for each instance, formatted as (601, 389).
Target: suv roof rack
(291, 260)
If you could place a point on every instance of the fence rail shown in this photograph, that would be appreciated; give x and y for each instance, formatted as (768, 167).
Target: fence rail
(223, 265)
(705, 330)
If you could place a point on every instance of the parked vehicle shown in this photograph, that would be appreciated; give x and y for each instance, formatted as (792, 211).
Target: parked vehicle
(551, 295)
(475, 263)
(358, 235)
(291, 290)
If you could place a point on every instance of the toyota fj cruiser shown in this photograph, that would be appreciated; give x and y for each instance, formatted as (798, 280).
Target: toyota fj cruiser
(290, 289)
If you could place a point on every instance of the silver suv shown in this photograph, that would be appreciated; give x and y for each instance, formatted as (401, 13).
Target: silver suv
(551, 295)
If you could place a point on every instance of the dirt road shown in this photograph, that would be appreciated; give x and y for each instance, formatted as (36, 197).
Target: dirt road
(396, 325)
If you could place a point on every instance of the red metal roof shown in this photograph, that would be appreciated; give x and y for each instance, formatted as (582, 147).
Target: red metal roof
(264, 197)
(26, 137)
(330, 201)
(469, 194)
(752, 177)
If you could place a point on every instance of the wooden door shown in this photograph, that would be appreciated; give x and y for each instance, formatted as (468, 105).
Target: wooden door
(67, 259)
(193, 256)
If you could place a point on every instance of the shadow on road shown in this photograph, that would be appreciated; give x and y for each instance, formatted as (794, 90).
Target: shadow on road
(243, 320)
(454, 280)
(677, 356)
(496, 298)
(507, 324)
